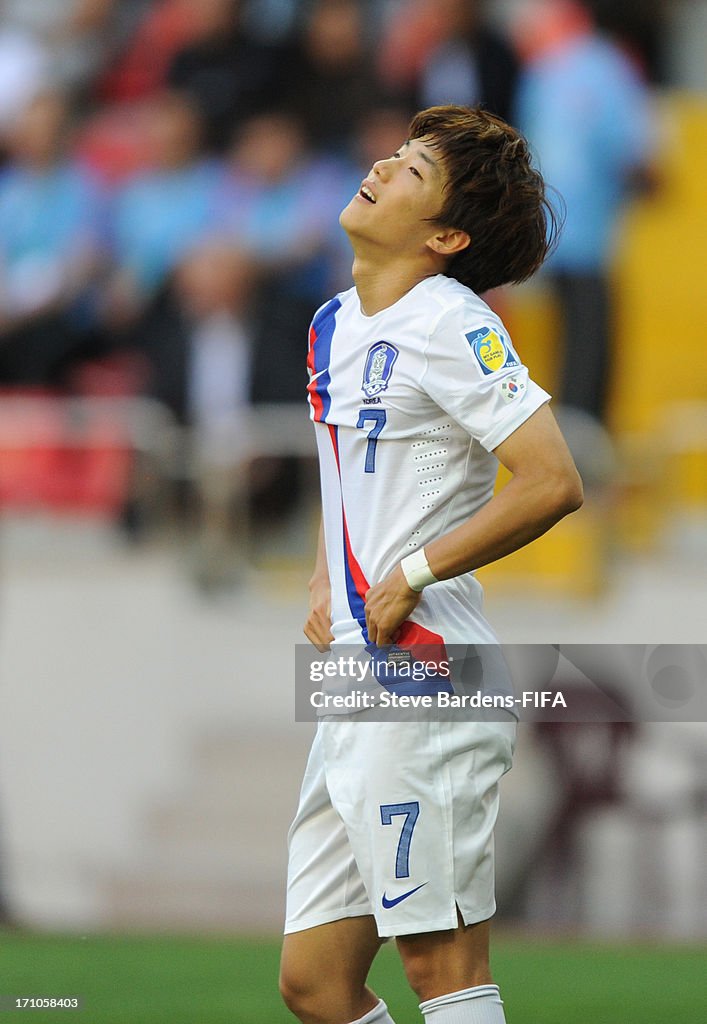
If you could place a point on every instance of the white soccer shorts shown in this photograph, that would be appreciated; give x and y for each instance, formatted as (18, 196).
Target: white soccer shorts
(396, 820)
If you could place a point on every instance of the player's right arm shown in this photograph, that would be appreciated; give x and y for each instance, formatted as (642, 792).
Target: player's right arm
(317, 628)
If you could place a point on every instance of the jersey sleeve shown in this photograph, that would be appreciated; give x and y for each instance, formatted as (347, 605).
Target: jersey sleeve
(475, 375)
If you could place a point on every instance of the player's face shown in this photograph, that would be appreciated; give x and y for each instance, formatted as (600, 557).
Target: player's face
(396, 200)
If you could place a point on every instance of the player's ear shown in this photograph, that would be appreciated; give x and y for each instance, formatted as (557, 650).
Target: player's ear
(449, 241)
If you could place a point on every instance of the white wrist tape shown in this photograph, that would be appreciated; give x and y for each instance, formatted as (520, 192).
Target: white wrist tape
(417, 570)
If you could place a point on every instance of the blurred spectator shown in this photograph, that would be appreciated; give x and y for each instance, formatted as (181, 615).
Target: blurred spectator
(279, 202)
(212, 289)
(271, 20)
(441, 51)
(145, 36)
(51, 233)
(585, 111)
(409, 31)
(74, 33)
(640, 28)
(471, 65)
(212, 293)
(163, 212)
(114, 141)
(201, 349)
(229, 75)
(24, 73)
(161, 30)
(332, 77)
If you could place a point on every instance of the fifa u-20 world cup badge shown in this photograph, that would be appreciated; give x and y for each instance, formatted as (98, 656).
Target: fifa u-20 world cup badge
(379, 367)
(491, 349)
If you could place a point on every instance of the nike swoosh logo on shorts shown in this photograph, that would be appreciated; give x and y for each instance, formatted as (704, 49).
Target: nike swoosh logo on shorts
(387, 904)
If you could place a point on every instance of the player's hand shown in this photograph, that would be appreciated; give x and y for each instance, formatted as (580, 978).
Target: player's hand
(317, 628)
(388, 605)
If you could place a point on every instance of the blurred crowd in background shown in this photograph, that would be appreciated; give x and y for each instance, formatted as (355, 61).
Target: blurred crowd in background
(172, 172)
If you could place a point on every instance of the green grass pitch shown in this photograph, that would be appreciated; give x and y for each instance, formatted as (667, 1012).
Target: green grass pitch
(145, 980)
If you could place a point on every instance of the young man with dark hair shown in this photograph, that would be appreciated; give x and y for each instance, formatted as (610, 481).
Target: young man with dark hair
(417, 393)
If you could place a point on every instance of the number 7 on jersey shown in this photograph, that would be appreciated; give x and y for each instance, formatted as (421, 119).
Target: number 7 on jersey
(377, 418)
(411, 812)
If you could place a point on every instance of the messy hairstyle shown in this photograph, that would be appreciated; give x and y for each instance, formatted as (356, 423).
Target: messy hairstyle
(493, 192)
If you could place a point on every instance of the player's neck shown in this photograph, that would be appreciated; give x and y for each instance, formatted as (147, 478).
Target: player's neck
(381, 286)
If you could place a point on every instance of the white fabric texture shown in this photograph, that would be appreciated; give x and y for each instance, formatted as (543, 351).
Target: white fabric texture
(479, 1005)
(408, 405)
(349, 858)
(378, 1015)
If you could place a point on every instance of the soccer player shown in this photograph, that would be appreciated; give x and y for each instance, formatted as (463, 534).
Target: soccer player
(416, 391)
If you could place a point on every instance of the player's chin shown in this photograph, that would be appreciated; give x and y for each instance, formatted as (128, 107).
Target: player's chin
(347, 216)
(351, 214)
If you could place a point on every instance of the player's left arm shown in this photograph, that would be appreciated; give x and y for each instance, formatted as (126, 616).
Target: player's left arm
(544, 487)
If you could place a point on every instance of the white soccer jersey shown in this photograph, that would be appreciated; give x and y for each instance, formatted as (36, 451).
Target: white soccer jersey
(408, 405)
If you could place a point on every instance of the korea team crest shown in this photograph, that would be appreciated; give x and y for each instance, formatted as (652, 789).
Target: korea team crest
(491, 349)
(378, 369)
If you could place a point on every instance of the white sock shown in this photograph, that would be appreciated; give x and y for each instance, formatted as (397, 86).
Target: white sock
(378, 1015)
(480, 1005)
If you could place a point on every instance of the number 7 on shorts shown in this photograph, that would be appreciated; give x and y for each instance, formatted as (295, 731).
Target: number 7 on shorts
(411, 811)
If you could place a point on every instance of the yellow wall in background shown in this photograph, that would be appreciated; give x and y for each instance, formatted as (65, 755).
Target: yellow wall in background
(658, 393)
(660, 281)
(660, 352)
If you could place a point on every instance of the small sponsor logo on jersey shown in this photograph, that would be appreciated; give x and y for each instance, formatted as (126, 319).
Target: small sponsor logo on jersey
(389, 903)
(371, 401)
(491, 349)
(511, 388)
(378, 369)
